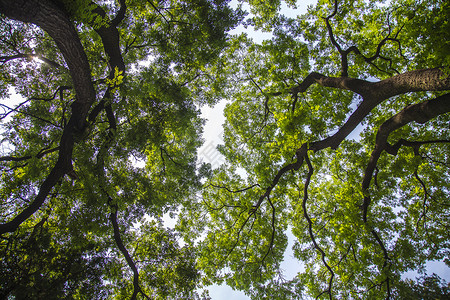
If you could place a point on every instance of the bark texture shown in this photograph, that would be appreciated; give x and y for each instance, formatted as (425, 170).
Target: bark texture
(53, 19)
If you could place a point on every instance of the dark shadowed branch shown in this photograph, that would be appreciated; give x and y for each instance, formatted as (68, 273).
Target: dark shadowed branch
(57, 24)
(370, 60)
(40, 154)
(118, 239)
(310, 231)
(7, 58)
(420, 113)
(234, 191)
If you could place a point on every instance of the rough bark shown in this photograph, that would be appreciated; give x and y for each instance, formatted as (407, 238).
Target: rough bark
(374, 93)
(52, 19)
(420, 113)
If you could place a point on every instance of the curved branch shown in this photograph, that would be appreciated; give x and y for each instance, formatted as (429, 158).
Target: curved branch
(120, 14)
(118, 239)
(52, 19)
(41, 154)
(110, 40)
(103, 151)
(231, 249)
(5, 59)
(48, 16)
(234, 191)
(420, 113)
(425, 198)
(399, 84)
(57, 24)
(373, 93)
(60, 89)
(300, 155)
(311, 234)
(272, 236)
(344, 53)
(5, 107)
(393, 149)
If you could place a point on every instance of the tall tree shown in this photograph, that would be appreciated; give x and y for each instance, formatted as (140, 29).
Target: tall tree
(106, 104)
(366, 206)
(110, 90)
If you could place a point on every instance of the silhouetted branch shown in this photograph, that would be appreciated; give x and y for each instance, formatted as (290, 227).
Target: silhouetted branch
(370, 60)
(234, 191)
(272, 236)
(5, 59)
(60, 90)
(158, 11)
(40, 154)
(120, 14)
(118, 239)
(238, 237)
(420, 113)
(425, 197)
(311, 234)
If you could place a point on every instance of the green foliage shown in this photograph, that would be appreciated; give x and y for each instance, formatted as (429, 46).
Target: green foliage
(43, 263)
(426, 287)
(135, 160)
(136, 154)
(266, 126)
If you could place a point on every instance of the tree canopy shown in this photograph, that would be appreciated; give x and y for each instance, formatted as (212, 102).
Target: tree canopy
(336, 129)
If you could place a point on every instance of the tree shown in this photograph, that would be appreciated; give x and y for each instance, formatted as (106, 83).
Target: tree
(426, 287)
(364, 208)
(124, 134)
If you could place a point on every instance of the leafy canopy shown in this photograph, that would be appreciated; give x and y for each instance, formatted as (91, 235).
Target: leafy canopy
(103, 144)
(106, 141)
(329, 134)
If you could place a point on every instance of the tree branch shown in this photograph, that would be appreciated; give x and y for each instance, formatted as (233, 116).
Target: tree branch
(56, 23)
(425, 197)
(311, 234)
(120, 14)
(373, 93)
(5, 59)
(118, 239)
(27, 114)
(110, 40)
(234, 191)
(344, 53)
(420, 113)
(40, 154)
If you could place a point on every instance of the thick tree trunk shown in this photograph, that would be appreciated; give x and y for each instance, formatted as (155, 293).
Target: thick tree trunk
(374, 93)
(51, 18)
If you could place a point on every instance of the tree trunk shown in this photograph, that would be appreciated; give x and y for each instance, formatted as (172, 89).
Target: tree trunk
(52, 18)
